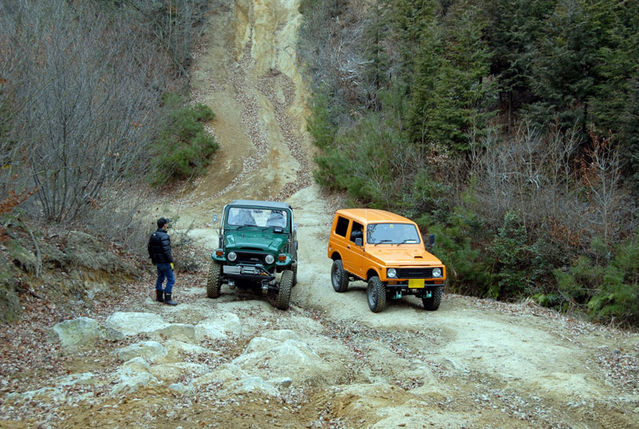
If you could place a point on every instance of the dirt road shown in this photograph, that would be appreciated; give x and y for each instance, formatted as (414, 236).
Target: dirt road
(328, 361)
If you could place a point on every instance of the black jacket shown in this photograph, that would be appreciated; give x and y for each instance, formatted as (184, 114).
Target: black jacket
(160, 247)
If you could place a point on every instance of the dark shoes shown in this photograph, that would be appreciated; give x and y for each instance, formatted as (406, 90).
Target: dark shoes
(159, 295)
(168, 300)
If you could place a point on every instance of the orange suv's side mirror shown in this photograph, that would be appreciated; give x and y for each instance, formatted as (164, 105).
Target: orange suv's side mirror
(359, 242)
(431, 241)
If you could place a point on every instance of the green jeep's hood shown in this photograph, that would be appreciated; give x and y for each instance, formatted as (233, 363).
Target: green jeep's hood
(253, 238)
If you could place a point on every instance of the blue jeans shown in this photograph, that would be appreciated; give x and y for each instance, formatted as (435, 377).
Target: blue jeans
(165, 272)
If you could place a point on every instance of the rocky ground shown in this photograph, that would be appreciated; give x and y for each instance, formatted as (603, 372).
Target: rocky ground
(236, 361)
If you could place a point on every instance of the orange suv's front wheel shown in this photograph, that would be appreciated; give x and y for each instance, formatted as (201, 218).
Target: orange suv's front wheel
(376, 294)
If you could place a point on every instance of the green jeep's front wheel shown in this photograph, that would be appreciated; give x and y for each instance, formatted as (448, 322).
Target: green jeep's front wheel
(432, 303)
(214, 281)
(376, 294)
(284, 293)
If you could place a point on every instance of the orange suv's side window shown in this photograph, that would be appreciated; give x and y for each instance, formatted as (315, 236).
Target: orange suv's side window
(357, 231)
(342, 226)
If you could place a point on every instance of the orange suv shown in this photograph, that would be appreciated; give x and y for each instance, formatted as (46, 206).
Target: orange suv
(387, 251)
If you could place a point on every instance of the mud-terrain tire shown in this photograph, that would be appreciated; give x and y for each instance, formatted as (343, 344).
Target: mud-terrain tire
(284, 293)
(376, 294)
(339, 277)
(214, 281)
(295, 275)
(432, 303)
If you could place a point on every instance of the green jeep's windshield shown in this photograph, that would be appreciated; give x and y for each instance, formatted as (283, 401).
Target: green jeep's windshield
(243, 216)
(392, 233)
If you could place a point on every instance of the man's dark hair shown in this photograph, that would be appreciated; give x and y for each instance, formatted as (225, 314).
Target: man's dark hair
(162, 221)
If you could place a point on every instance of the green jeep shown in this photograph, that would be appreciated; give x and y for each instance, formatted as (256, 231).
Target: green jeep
(257, 241)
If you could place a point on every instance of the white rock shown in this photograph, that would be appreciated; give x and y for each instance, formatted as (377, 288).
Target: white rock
(291, 358)
(219, 327)
(133, 323)
(281, 382)
(184, 389)
(224, 374)
(75, 379)
(281, 335)
(175, 347)
(137, 364)
(151, 351)
(79, 332)
(132, 375)
(260, 344)
(176, 331)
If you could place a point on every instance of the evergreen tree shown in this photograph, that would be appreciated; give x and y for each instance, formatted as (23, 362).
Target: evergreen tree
(513, 30)
(450, 94)
(565, 67)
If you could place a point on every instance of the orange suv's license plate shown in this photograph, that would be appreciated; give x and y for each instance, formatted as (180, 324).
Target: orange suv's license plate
(416, 283)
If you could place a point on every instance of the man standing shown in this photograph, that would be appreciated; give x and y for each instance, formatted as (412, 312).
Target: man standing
(160, 254)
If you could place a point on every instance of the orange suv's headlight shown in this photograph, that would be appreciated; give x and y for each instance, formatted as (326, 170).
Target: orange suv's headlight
(437, 272)
(391, 273)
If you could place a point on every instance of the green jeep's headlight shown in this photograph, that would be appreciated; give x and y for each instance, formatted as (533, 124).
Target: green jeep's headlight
(269, 259)
(232, 256)
(437, 272)
(391, 273)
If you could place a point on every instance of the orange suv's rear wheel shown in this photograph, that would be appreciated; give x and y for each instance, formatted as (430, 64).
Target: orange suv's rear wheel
(339, 277)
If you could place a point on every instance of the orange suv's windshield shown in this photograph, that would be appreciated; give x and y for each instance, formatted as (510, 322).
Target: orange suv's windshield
(391, 233)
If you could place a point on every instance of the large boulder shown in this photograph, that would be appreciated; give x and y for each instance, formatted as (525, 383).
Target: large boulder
(133, 375)
(176, 331)
(219, 327)
(133, 323)
(83, 332)
(151, 351)
(290, 358)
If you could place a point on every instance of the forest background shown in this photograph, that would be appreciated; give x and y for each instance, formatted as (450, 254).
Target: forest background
(507, 128)
(510, 129)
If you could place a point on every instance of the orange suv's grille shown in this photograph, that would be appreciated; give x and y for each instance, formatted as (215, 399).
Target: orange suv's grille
(414, 273)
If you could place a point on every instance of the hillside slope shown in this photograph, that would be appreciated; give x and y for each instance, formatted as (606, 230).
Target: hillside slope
(328, 361)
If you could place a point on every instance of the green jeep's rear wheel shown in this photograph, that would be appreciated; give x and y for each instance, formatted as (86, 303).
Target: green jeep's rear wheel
(432, 303)
(214, 281)
(339, 277)
(284, 293)
(376, 294)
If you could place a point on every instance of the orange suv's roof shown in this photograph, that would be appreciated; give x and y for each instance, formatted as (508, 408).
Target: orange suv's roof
(373, 216)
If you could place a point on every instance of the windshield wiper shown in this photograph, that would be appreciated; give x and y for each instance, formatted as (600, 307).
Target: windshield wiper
(409, 240)
(386, 240)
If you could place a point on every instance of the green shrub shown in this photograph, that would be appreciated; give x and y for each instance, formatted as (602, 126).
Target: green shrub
(184, 147)
(459, 246)
(512, 257)
(608, 288)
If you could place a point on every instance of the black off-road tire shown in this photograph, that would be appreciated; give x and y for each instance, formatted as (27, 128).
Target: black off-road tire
(295, 275)
(284, 293)
(339, 277)
(432, 303)
(214, 281)
(376, 294)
